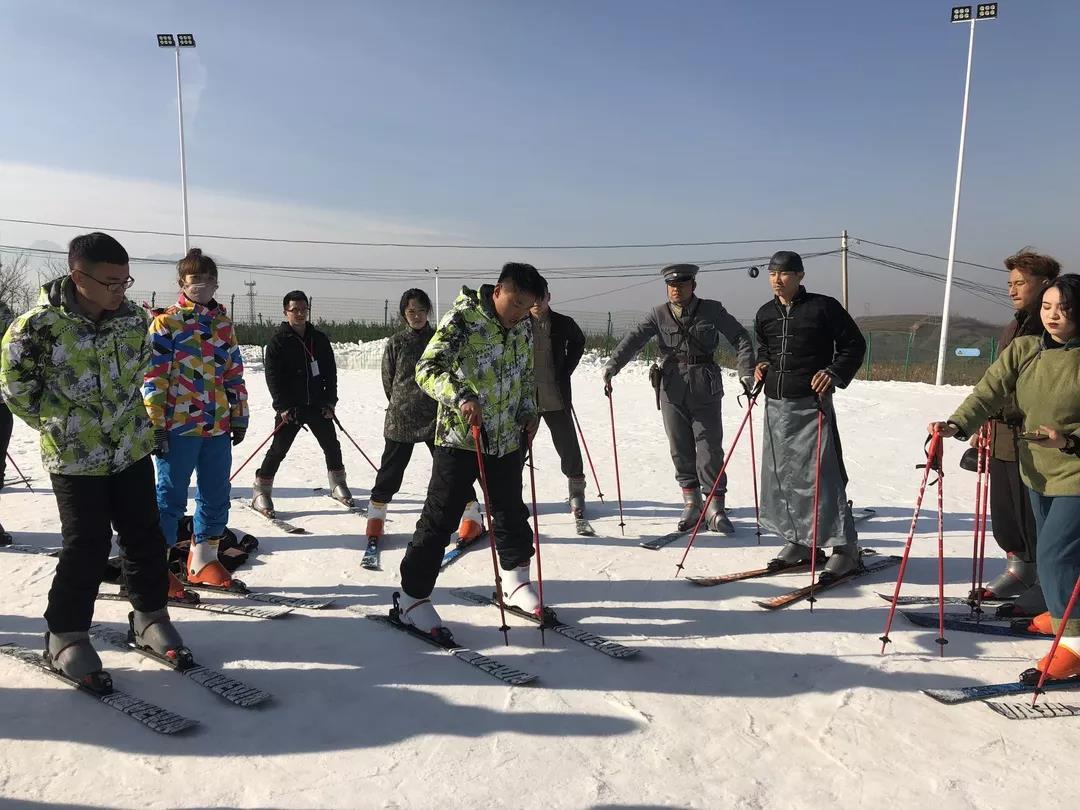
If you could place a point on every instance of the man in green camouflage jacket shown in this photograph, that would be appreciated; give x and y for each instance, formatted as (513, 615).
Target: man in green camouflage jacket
(72, 369)
(479, 367)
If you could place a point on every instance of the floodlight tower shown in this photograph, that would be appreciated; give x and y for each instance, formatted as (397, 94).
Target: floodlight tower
(176, 43)
(960, 14)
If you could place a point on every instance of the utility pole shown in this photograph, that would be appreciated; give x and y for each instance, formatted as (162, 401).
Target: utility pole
(251, 300)
(843, 268)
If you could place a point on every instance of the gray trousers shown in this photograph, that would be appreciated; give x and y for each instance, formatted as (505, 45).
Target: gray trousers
(695, 435)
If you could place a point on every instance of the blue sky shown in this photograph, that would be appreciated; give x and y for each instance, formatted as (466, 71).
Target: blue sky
(557, 122)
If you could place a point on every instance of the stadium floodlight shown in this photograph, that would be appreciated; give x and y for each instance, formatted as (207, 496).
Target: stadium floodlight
(176, 43)
(984, 11)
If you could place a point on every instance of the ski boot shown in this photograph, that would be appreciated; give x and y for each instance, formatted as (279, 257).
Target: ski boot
(518, 591)
(1037, 625)
(472, 522)
(1065, 663)
(154, 632)
(1016, 579)
(792, 554)
(5, 537)
(419, 614)
(74, 657)
(716, 517)
(376, 519)
(204, 567)
(577, 497)
(178, 593)
(339, 490)
(691, 509)
(262, 500)
(844, 560)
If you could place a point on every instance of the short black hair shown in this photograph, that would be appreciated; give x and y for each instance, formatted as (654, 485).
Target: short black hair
(295, 295)
(94, 248)
(414, 294)
(1068, 285)
(524, 278)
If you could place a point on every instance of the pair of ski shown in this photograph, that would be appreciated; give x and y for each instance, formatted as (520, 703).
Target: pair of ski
(655, 543)
(154, 717)
(291, 528)
(501, 672)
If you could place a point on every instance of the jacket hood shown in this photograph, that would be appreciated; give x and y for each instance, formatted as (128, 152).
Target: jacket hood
(60, 293)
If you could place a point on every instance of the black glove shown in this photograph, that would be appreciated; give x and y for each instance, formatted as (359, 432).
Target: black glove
(161, 442)
(238, 434)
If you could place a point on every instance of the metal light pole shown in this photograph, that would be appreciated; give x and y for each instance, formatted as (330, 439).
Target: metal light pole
(180, 41)
(960, 14)
(843, 268)
(436, 272)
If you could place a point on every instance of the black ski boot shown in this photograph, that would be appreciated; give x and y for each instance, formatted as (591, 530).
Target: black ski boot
(844, 560)
(74, 657)
(577, 496)
(716, 517)
(791, 554)
(154, 631)
(1017, 578)
(691, 509)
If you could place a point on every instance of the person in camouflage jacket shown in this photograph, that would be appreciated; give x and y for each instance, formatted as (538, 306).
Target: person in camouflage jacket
(72, 369)
(478, 366)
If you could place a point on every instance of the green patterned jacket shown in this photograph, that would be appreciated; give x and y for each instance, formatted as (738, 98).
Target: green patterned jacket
(471, 356)
(79, 383)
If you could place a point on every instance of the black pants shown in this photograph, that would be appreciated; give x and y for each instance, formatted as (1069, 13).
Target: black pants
(1010, 510)
(452, 475)
(6, 423)
(90, 507)
(564, 437)
(395, 458)
(320, 426)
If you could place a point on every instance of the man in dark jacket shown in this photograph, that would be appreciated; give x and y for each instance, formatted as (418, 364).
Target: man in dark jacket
(808, 345)
(302, 377)
(688, 330)
(558, 344)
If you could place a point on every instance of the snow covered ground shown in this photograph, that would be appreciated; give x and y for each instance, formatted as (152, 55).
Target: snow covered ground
(728, 705)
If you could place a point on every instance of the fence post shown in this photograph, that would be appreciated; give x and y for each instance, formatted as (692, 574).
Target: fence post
(608, 337)
(869, 352)
(385, 311)
(907, 356)
(232, 305)
(153, 300)
(311, 309)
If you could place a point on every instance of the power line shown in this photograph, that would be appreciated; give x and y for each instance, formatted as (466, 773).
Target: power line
(928, 255)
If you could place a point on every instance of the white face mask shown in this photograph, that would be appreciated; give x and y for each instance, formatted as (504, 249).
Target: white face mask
(202, 293)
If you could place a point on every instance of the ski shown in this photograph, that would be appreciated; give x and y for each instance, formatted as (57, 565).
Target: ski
(785, 599)
(356, 510)
(964, 694)
(933, 600)
(664, 540)
(370, 560)
(22, 548)
(755, 573)
(277, 523)
(238, 588)
(1040, 711)
(459, 548)
(232, 610)
(501, 672)
(968, 625)
(551, 622)
(232, 690)
(584, 528)
(150, 715)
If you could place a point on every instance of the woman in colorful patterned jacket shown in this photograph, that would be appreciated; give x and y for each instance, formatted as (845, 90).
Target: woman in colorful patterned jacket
(195, 395)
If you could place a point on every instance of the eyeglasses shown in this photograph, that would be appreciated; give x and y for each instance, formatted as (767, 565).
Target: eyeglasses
(112, 286)
(416, 312)
(298, 310)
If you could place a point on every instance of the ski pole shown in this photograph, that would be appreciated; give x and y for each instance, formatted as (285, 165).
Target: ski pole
(273, 433)
(599, 493)
(20, 472)
(753, 474)
(817, 500)
(536, 542)
(979, 470)
(1057, 640)
(935, 445)
(354, 444)
(615, 452)
(482, 475)
(712, 492)
(985, 519)
(941, 641)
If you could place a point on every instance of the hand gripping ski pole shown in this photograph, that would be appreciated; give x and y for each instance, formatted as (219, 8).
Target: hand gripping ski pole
(273, 433)
(536, 542)
(354, 444)
(615, 452)
(932, 460)
(716, 483)
(599, 492)
(482, 475)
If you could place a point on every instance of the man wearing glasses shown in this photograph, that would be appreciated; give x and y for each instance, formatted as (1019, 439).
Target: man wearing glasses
(302, 377)
(72, 368)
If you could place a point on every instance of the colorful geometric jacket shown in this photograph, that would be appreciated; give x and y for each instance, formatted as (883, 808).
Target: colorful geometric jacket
(196, 378)
(79, 383)
(471, 356)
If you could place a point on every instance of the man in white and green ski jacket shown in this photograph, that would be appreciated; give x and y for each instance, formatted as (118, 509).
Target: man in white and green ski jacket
(72, 368)
(478, 366)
